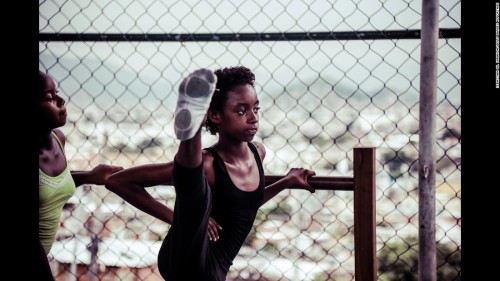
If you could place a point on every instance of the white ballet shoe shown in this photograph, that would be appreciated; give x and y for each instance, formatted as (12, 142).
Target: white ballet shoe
(195, 94)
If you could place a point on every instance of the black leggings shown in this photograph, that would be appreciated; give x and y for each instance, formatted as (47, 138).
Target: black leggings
(184, 254)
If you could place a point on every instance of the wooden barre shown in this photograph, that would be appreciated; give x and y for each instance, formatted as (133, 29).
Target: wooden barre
(321, 182)
(317, 182)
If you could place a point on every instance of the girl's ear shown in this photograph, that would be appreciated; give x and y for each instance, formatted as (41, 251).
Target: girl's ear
(214, 116)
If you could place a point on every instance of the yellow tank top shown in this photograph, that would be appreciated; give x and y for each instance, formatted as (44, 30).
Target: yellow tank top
(53, 193)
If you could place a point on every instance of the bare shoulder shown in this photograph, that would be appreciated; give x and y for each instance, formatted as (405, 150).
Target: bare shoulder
(60, 136)
(260, 148)
(208, 160)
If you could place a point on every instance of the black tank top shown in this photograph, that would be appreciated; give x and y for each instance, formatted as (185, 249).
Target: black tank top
(233, 208)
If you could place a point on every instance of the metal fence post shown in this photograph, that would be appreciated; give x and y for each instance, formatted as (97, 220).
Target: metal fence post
(427, 141)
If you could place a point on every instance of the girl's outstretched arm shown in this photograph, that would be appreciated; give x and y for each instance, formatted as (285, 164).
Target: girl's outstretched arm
(98, 175)
(295, 177)
(130, 185)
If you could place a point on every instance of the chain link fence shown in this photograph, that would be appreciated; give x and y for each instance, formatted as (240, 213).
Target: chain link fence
(330, 76)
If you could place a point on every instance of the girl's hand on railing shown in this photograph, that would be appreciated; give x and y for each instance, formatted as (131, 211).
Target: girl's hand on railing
(298, 177)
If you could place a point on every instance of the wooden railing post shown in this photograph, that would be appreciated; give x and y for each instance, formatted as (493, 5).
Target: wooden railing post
(364, 215)
(363, 186)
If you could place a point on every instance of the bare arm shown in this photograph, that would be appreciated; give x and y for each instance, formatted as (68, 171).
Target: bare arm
(130, 185)
(98, 175)
(295, 177)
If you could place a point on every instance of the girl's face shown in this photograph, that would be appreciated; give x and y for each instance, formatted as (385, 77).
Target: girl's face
(52, 111)
(239, 119)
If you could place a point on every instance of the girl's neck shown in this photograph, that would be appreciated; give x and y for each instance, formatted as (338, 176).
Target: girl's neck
(44, 140)
(231, 151)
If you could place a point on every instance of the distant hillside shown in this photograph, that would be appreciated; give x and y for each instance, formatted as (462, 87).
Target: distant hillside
(89, 80)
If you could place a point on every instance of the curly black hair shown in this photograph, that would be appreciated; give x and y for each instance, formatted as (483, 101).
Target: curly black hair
(227, 80)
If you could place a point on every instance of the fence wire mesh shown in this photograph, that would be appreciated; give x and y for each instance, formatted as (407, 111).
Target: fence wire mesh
(319, 100)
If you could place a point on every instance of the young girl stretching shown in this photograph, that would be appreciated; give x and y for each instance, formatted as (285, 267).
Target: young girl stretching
(218, 189)
(56, 181)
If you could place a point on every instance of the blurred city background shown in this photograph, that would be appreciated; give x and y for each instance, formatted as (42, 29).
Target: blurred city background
(319, 99)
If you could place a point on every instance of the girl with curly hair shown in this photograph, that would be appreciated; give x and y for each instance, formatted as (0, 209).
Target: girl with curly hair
(219, 188)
